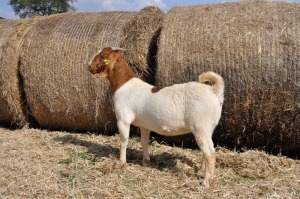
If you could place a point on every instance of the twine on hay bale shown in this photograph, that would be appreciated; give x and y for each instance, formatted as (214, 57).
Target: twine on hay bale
(60, 91)
(255, 46)
(12, 33)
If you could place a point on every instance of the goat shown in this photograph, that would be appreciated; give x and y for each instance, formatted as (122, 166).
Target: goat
(179, 109)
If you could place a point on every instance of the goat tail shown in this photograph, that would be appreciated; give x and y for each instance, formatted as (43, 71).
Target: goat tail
(213, 79)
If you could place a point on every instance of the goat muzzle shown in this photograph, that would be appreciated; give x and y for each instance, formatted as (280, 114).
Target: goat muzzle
(93, 70)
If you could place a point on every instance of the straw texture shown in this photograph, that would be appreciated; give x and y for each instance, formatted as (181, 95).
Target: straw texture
(12, 33)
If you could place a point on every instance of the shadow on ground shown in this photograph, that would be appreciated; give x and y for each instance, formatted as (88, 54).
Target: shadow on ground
(160, 161)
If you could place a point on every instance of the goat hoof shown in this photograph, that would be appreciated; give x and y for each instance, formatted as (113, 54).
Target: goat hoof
(123, 161)
(202, 168)
(145, 163)
(205, 183)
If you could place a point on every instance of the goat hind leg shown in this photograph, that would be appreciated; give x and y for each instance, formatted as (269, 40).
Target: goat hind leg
(208, 163)
(203, 164)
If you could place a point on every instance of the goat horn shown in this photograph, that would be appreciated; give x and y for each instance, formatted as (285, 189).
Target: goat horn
(117, 49)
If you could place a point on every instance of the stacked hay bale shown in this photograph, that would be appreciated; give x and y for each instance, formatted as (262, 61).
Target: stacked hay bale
(60, 91)
(255, 46)
(12, 33)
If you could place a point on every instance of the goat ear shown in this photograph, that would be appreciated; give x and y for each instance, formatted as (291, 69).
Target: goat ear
(116, 49)
(111, 61)
(109, 65)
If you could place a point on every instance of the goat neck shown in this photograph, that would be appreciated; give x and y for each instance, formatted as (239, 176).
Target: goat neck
(119, 75)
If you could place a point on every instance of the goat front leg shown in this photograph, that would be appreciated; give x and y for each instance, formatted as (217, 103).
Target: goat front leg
(145, 133)
(124, 136)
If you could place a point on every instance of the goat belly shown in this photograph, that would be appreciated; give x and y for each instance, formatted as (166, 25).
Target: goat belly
(167, 129)
(168, 132)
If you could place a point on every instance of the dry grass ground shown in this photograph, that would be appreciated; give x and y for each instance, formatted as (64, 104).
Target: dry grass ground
(43, 164)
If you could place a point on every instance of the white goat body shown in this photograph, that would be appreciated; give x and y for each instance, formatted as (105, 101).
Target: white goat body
(174, 110)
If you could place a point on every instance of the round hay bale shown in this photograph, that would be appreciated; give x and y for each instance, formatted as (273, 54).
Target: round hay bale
(12, 109)
(61, 92)
(255, 46)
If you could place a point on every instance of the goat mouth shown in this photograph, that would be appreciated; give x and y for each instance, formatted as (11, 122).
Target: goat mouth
(94, 71)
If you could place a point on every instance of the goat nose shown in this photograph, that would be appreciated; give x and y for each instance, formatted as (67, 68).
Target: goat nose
(88, 66)
(90, 69)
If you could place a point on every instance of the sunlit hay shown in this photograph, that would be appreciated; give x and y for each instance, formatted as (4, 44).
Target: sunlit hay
(12, 33)
(142, 32)
(61, 164)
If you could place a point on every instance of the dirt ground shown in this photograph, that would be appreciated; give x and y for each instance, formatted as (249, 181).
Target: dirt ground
(52, 164)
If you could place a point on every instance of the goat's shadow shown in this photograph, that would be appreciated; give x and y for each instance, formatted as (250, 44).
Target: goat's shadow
(159, 161)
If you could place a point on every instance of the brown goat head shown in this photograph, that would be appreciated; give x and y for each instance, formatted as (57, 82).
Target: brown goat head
(104, 61)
